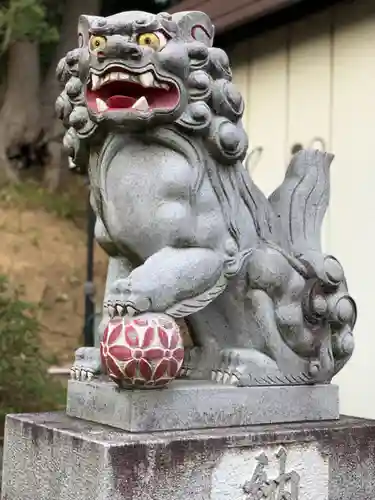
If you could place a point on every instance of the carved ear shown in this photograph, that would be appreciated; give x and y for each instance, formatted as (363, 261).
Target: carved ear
(195, 26)
(85, 24)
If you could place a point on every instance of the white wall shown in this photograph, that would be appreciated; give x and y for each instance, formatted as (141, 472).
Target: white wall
(316, 78)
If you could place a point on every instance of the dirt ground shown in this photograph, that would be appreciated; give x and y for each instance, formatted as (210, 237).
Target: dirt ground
(46, 256)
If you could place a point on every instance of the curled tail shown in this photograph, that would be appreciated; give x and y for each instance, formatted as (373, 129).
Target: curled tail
(300, 203)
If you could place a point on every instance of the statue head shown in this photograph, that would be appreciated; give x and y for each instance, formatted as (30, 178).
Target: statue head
(135, 71)
(134, 65)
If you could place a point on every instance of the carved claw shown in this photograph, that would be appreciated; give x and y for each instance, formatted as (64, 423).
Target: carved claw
(122, 308)
(247, 367)
(82, 375)
(186, 368)
(227, 370)
(125, 301)
(87, 364)
(77, 374)
(115, 308)
(191, 360)
(185, 372)
(109, 306)
(225, 377)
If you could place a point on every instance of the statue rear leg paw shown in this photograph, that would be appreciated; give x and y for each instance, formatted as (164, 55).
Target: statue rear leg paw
(87, 364)
(243, 367)
(226, 369)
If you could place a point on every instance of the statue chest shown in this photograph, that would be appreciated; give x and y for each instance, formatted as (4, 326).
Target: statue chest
(144, 196)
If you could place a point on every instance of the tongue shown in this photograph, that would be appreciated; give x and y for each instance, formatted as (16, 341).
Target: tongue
(120, 101)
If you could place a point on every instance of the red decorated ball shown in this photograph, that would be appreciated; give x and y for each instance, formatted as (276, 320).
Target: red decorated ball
(145, 351)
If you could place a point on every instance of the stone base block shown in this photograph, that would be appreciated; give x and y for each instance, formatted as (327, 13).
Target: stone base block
(193, 405)
(56, 457)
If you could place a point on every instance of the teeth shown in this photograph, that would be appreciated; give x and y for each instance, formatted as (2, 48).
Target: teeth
(141, 104)
(101, 105)
(95, 81)
(161, 85)
(147, 79)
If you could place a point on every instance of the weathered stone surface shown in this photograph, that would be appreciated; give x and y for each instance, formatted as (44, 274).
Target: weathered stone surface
(193, 405)
(187, 232)
(52, 456)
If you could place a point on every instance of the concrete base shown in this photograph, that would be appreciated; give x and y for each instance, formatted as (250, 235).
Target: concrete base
(52, 456)
(193, 405)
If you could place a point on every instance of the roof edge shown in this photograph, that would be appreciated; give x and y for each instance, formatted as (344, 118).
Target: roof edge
(227, 15)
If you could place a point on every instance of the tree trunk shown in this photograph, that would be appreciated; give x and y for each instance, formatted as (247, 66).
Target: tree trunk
(19, 116)
(50, 89)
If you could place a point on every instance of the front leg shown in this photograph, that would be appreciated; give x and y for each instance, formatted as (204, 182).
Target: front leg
(175, 281)
(87, 362)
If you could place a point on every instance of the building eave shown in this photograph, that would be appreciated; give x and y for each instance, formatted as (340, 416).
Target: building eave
(229, 14)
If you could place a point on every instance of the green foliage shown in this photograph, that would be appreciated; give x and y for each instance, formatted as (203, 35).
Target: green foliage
(25, 385)
(25, 19)
(70, 204)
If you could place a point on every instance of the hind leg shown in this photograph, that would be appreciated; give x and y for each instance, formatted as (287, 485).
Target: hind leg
(305, 323)
(264, 356)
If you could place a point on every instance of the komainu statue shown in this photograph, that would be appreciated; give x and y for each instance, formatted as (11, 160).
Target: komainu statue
(154, 119)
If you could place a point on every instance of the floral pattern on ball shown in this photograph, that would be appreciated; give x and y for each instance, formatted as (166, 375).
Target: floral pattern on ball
(144, 351)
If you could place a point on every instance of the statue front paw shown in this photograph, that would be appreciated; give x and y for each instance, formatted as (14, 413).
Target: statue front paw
(87, 364)
(124, 300)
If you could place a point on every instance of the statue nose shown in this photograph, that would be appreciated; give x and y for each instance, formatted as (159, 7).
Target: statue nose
(127, 51)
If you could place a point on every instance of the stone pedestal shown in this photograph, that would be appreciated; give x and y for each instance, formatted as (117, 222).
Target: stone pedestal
(56, 457)
(188, 405)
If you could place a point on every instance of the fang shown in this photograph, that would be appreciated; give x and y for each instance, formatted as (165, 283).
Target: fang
(141, 104)
(101, 105)
(94, 81)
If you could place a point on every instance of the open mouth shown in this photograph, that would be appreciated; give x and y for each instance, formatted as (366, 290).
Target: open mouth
(119, 90)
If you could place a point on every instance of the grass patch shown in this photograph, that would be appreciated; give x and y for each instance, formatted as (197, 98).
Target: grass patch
(70, 204)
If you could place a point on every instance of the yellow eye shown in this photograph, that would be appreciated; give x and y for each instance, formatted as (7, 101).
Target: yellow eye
(98, 43)
(154, 40)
